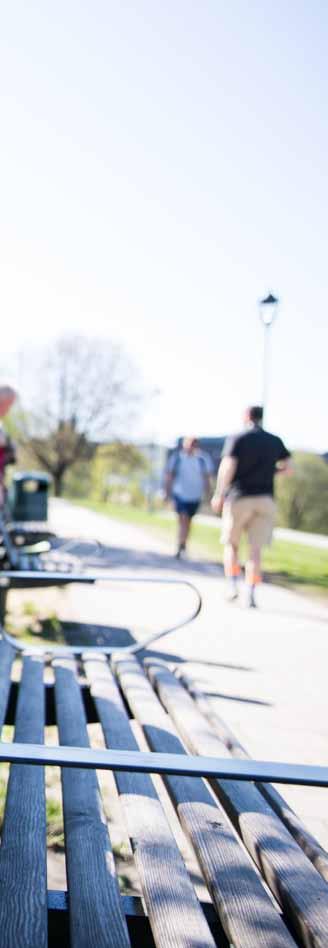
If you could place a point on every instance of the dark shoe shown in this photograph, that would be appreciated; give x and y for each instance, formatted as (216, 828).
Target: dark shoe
(181, 549)
(250, 598)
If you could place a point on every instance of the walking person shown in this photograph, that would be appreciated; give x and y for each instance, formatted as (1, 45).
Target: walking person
(187, 480)
(244, 493)
(7, 448)
(7, 456)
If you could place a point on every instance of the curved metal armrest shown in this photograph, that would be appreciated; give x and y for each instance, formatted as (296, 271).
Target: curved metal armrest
(7, 575)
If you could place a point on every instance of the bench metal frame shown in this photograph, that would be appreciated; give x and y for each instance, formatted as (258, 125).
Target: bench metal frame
(11, 579)
(183, 765)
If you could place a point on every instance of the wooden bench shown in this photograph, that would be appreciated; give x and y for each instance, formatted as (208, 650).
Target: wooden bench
(263, 888)
(32, 566)
(30, 555)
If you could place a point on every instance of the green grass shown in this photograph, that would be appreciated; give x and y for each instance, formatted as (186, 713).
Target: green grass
(38, 629)
(284, 563)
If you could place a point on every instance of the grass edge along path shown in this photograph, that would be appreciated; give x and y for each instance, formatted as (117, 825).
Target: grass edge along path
(302, 568)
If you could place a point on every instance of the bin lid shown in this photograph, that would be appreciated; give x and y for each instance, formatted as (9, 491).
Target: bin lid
(38, 476)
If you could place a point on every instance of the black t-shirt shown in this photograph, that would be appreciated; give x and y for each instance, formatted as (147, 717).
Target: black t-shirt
(257, 453)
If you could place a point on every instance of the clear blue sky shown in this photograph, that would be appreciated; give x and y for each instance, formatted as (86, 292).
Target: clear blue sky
(162, 167)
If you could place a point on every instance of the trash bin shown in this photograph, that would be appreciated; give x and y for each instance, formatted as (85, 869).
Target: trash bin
(28, 496)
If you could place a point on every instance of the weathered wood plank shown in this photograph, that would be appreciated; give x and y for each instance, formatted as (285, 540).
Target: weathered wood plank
(175, 915)
(299, 888)
(240, 898)
(304, 838)
(23, 862)
(95, 908)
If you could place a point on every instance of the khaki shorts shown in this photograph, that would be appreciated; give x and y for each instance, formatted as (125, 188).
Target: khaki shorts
(254, 515)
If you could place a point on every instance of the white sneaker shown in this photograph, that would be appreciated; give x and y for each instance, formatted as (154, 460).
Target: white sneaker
(232, 591)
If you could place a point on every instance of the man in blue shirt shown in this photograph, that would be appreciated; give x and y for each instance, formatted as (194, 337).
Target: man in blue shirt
(186, 481)
(244, 492)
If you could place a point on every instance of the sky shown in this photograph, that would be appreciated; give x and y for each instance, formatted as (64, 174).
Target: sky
(163, 167)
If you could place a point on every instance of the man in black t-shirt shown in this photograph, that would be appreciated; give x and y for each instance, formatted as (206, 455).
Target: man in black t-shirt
(244, 492)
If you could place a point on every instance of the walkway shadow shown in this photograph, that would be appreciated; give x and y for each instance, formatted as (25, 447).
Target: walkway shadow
(105, 557)
(82, 633)
(178, 659)
(226, 697)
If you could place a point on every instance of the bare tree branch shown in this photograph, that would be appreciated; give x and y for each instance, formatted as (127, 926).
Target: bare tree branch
(84, 390)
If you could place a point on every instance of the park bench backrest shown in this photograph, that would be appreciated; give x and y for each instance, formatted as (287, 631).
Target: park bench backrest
(168, 719)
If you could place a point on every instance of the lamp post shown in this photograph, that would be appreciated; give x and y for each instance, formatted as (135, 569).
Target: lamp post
(268, 311)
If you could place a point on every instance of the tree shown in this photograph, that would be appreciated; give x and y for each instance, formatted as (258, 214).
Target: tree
(120, 461)
(85, 390)
(303, 498)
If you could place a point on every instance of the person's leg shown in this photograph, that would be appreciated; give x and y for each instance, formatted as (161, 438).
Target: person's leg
(259, 531)
(231, 569)
(230, 559)
(186, 510)
(234, 515)
(253, 572)
(183, 531)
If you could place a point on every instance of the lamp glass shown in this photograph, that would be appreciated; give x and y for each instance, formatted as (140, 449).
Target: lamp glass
(268, 310)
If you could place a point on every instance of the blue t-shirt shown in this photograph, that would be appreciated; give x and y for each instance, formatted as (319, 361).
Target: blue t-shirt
(189, 474)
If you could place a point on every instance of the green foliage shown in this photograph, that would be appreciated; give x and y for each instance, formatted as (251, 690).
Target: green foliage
(302, 498)
(77, 480)
(55, 828)
(115, 472)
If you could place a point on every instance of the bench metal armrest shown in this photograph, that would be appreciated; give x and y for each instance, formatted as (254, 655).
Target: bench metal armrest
(183, 765)
(8, 577)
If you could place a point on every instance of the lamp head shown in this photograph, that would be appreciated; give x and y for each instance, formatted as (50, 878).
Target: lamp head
(268, 309)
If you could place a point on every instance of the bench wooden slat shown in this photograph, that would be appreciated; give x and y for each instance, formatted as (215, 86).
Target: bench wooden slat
(175, 915)
(299, 888)
(23, 862)
(7, 656)
(304, 838)
(95, 908)
(243, 909)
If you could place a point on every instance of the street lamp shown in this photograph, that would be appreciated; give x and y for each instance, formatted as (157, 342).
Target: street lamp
(268, 311)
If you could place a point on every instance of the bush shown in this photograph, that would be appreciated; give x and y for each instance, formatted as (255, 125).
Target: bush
(303, 497)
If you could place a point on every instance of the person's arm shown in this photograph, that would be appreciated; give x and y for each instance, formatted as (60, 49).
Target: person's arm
(208, 477)
(284, 467)
(10, 452)
(225, 477)
(207, 486)
(284, 464)
(168, 481)
(170, 474)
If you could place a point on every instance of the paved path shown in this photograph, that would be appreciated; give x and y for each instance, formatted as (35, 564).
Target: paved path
(266, 669)
(318, 540)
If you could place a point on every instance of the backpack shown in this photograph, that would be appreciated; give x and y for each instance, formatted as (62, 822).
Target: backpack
(177, 459)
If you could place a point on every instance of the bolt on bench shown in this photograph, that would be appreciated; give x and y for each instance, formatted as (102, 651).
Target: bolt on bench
(278, 898)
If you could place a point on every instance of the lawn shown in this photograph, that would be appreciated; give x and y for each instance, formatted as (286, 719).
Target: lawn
(285, 563)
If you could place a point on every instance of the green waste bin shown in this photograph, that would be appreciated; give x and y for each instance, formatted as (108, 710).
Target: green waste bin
(28, 496)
